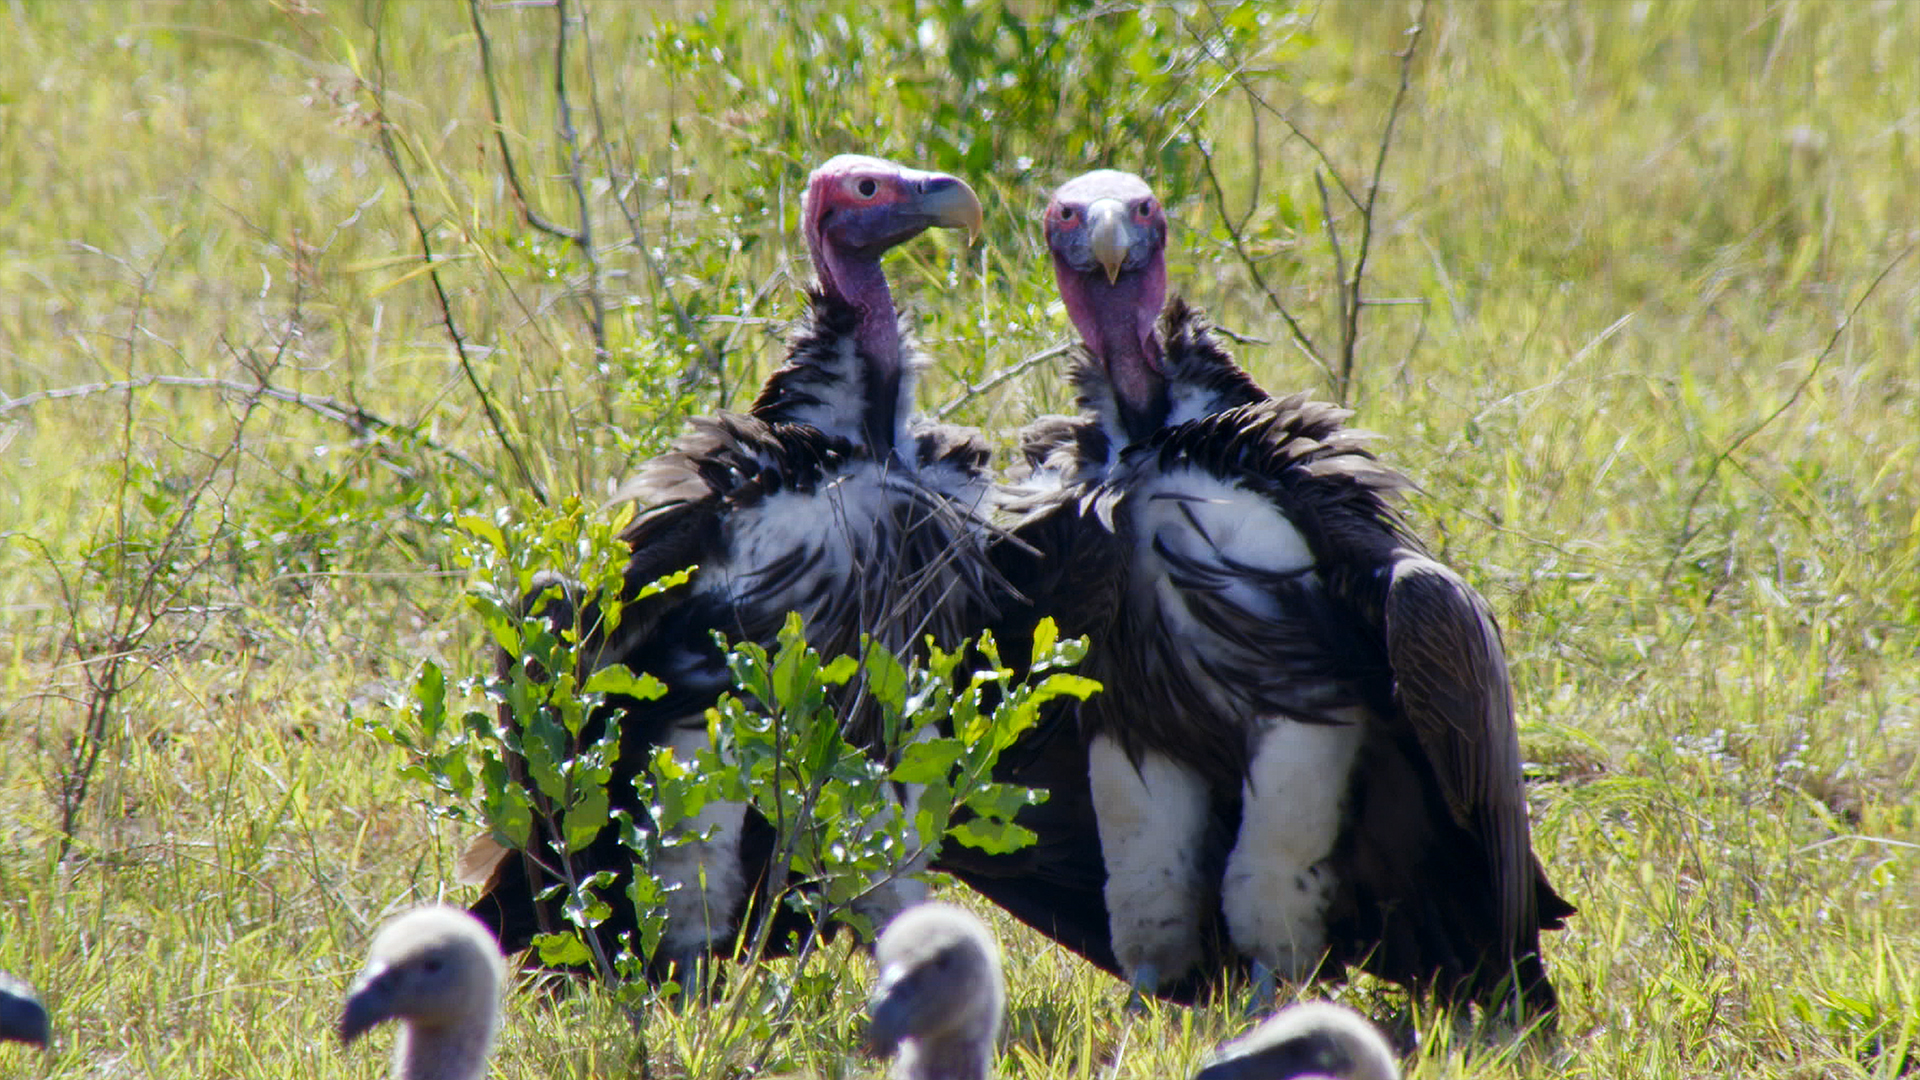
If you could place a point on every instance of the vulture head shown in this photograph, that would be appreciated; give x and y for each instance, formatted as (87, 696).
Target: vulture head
(1316, 1039)
(939, 996)
(858, 207)
(438, 972)
(22, 1018)
(1108, 236)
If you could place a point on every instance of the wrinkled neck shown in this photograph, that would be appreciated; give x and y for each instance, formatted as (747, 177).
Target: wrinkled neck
(860, 282)
(1131, 358)
(1117, 322)
(863, 285)
(455, 1052)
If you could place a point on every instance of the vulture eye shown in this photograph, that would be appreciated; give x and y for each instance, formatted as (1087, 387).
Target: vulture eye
(1145, 208)
(866, 187)
(1066, 213)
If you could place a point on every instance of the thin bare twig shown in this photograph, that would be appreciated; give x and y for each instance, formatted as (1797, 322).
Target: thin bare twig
(141, 599)
(1237, 72)
(581, 236)
(584, 235)
(1687, 531)
(390, 148)
(1341, 290)
(1351, 334)
(527, 210)
(969, 393)
(714, 359)
(1300, 336)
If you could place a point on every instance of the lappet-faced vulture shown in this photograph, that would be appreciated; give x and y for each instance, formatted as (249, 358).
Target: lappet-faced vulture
(1269, 631)
(826, 498)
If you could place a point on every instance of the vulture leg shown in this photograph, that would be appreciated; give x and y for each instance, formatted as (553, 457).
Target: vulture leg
(703, 875)
(1152, 822)
(886, 899)
(1279, 882)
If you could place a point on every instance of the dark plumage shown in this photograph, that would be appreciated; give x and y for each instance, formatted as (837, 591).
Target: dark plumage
(1277, 647)
(939, 995)
(436, 971)
(824, 498)
(22, 1017)
(1317, 1039)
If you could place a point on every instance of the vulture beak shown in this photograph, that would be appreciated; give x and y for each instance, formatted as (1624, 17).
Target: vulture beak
(369, 1003)
(948, 202)
(1109, 236)
(892, 1008)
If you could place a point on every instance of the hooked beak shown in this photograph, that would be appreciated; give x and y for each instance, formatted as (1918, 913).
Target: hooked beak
(369, 1003)
(891, 1010)
(946, 201)
(1109, 236)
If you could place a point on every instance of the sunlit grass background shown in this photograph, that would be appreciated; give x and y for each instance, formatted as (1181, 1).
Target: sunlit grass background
(1654, 358)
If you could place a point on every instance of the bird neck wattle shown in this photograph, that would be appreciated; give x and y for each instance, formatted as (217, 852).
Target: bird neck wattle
(863, 285)
(1117, 321)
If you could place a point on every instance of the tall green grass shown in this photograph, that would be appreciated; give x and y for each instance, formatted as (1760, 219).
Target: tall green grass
(1659, 395)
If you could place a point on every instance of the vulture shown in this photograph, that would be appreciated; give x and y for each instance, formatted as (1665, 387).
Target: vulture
(1306, 733)
(22, 1017)
(939, 995)
(826, 498)
(1317, 1039)
(438, 972)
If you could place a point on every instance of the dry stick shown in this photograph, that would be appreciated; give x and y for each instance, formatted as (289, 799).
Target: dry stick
(1687, 531)
(582, 237)
(102, 689)
(715, 361)
(125, 640)
(1300, 336)
(1237, 73)
(1021, 368)
(1351, 335)
(569, 136)
(357, 419)
(1345, 295)
(533, 217)
(392, 152)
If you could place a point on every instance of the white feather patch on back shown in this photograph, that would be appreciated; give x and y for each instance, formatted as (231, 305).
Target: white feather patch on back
(1203, 517)
(1199, 517)
(834, 523)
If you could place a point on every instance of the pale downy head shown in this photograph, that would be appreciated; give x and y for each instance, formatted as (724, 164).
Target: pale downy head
(438, 972)
(1317, 1039)
(939, 996)
(1108, 237)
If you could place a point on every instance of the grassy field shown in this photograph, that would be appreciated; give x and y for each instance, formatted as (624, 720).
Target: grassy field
(1654, 358)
